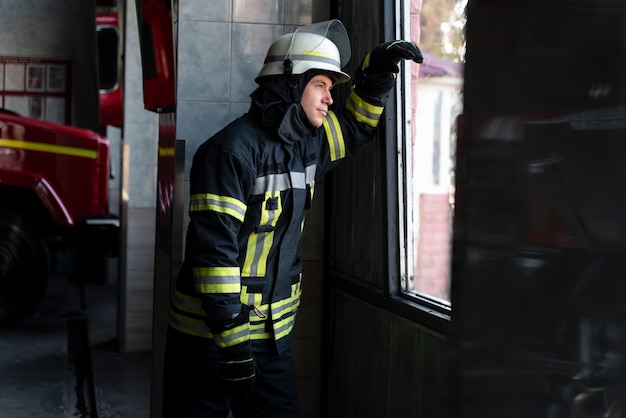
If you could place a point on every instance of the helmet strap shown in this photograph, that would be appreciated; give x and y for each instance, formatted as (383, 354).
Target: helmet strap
(294, 87)
(288, 66)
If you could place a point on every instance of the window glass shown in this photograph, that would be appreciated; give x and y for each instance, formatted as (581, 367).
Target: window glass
(108, 57)
(432, 101)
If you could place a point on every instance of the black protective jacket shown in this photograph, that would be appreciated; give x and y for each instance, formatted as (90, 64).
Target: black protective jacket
(251, 186)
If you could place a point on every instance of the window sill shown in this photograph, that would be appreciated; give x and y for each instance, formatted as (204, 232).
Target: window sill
(404, 306)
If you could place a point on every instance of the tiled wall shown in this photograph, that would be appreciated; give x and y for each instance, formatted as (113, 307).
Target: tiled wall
(221, 47)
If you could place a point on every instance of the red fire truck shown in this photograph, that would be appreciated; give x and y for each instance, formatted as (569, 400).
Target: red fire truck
(53, 196)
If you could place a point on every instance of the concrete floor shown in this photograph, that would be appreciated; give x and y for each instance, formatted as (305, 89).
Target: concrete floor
(38, 376)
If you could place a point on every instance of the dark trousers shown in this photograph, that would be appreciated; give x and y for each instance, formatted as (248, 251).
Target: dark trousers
(192, 388)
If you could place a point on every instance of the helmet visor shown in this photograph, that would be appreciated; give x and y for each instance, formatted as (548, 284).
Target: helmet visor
(333, 30)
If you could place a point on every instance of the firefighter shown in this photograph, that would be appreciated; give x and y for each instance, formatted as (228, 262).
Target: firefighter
(251, 185)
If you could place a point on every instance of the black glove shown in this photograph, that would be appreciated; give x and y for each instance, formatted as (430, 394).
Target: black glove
(385, 57)
(378, 69)
(237, 369)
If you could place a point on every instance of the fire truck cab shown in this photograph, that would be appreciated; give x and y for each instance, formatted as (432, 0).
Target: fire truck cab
(53, 196)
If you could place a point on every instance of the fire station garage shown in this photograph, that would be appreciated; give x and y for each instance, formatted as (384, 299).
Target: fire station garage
(467, 262)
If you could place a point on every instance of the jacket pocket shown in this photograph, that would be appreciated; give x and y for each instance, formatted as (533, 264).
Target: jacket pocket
(261, 239)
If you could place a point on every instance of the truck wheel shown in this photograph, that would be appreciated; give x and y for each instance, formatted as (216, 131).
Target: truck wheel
(24, 267)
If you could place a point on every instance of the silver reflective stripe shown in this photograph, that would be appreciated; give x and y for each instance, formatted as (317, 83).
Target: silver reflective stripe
(217, 279)
(258, 252)
(283, 328)
(220, 204)
(285, 307)
(310, 172)
(301, 57)
(189, 325)
(187, 303)
(251, 302)
(298, 180)
(279, 182)
(233, 336)
(272, 182)
(358, 109)
(212, 275)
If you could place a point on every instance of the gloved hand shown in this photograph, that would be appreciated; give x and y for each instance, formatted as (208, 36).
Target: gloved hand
(377, 72)
(237, 369)
(385, 57)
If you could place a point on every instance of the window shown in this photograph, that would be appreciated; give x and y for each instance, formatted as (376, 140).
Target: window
(430, 103)
(108, 58)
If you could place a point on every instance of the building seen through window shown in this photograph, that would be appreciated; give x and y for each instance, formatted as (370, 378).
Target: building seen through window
(432, 101)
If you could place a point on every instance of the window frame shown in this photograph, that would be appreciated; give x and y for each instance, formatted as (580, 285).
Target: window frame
(419, 307)
(434, 318)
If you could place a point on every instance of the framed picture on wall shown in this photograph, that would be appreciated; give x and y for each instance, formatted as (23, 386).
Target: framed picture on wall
(36, 88)
(36, 77)
(14, 77)
(56, 78)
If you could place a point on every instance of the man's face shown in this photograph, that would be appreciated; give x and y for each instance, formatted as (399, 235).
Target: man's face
(316, 99)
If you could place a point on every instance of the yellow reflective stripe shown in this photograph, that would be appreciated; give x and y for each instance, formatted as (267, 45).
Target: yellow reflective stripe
(260, 243)
(259, 333)
(51, 148)
(250, 299)
(233, 336)
(166, 152)
(320, 54)
(249, 261)
(187, 303)
(220, 204)
(285, 306)
(362, 111)
(296, 289)
(289, 306)
(334, 136)
(191, 326)
(270, 216)
(217, 279)
(258, 325)
(284, 327)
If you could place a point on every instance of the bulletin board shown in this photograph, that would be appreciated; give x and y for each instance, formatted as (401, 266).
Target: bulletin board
(36, 88)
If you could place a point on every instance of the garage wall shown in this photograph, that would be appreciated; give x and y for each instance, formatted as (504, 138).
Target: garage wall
(57, 30)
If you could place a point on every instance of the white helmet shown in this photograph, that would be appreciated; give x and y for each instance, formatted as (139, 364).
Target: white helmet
(321, 46)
